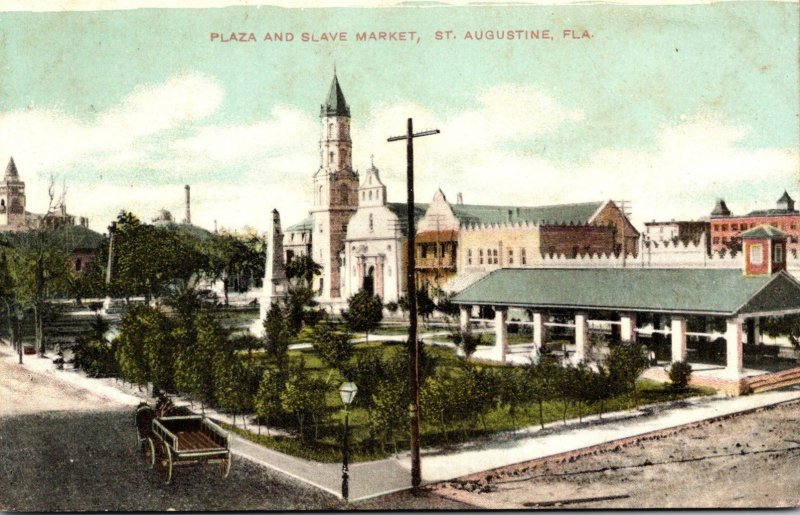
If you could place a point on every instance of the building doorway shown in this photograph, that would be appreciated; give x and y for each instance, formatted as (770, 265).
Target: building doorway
(369, 281)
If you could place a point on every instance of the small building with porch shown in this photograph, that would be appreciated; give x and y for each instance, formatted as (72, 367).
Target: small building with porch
(553, 298)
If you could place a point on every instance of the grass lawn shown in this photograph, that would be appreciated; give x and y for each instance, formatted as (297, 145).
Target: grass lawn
(326, 447)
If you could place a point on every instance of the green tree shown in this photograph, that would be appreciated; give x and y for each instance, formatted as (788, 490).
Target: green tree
(194, 364)
(145, 349)
(267, 401)
(390, 412)
(304, 396)
(625, 363)
(334, 348)
(364, 313)
(542, 383)
(11, 308)
(230, 390)
(466, 341)
(680, 373)
(276, 333)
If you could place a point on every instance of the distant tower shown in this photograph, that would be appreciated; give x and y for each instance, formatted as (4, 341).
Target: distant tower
(786, 203)
(12, 198)
(188, 219)
(335, 190)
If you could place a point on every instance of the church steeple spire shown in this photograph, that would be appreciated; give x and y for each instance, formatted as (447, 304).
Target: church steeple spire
(11, 169)
(335, 104)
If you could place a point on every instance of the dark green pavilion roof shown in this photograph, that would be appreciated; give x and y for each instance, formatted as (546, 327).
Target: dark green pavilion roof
(306, 225)
(335, 104)
(687, 291)
(469, 214)
(764, 232)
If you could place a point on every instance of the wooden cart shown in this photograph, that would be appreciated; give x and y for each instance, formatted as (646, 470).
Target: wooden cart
(168, 442)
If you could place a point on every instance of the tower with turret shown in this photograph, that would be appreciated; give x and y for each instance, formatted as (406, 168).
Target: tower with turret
(335, 191)
(12, 199)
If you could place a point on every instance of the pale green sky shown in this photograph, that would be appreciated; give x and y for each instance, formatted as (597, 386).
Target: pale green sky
(669, 106)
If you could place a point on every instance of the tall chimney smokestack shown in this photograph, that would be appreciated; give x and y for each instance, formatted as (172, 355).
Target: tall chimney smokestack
(188, 219)
(459, 199)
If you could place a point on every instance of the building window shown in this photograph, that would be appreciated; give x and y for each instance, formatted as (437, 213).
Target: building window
(523, 258)
(778, 253)
(480, 256)
(724, 227)
(734, 227)
(371, 223)
(510, 256)
(716, 240)
(756, 255)
(469, 256)
(496, 260)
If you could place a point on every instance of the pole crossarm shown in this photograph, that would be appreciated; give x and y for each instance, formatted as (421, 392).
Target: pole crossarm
(415, 135)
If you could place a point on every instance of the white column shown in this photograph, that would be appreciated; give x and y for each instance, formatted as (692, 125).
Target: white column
(627, 332)
(538, 336)
(501, 334)
(678, 339)
(733, 338)
(581, 336)
(463, 321)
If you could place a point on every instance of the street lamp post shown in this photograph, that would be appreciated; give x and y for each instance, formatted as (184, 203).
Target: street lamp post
(348, 392)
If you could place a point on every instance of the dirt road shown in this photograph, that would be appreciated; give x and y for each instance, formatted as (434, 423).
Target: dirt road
(751, 460)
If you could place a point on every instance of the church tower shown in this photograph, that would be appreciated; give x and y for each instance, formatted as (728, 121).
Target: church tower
(12, 199)
(335, 190)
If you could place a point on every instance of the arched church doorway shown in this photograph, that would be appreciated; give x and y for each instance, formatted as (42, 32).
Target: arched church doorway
(369, 281)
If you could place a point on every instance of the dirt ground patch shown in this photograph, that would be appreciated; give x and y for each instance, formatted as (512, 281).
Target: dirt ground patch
(23, 391)
(750, 460)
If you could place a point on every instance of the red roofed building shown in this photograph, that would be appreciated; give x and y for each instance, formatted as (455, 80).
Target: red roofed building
(727, 229)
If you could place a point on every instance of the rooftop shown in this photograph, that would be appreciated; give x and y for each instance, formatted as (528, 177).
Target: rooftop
(764, 232)
(689, 291)
(469, 214)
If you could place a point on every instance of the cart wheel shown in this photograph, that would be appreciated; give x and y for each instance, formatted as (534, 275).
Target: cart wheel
(165, 463)
(148, 451)
(226, 465)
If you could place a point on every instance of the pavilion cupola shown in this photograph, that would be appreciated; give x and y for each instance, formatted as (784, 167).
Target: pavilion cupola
(764, 249)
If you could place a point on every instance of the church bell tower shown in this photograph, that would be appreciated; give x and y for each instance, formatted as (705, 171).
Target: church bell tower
(335, 190)
(12, 199)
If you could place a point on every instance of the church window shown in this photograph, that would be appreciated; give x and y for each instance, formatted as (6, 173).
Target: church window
(330, 158)
(319, 194)
(469, 256)
(330, 131)
(523, 257)
(371, 223)
(370, 194)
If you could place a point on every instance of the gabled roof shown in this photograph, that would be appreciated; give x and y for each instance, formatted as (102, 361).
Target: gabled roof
(335, 104)
(764, 232)
(688, 291)
(582, 213)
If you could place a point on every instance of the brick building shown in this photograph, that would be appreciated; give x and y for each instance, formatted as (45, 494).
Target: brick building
(727, 228)
(469, 239)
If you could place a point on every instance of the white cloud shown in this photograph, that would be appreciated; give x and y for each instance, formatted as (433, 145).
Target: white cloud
(139, 154)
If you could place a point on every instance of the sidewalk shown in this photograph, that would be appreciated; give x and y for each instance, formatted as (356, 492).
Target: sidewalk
(372, 479)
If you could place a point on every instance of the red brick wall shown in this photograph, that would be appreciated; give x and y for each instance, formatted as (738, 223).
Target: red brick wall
(722, 229)
(565, 239)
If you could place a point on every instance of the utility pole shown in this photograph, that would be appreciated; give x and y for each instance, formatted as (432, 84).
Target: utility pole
(416, 470)
(624, 207)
